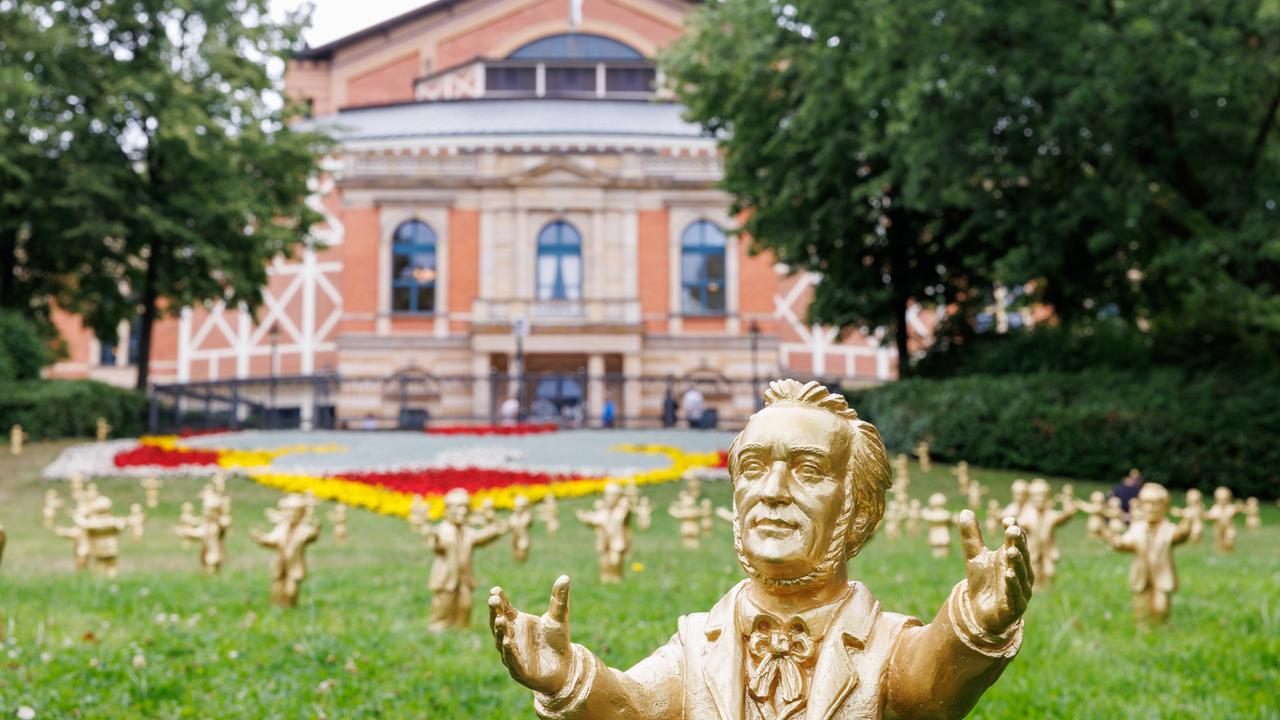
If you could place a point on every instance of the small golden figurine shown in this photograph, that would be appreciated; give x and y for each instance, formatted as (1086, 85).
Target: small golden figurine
(644, 513)
(549, 513)
(289, 538)
(612, 522)
(454, 542)
(151, 486)
(1114, 512)
(962, 477)
(689, 515)
(17, 438)
(705, 523)
(1095, 509)
(487, 515)
(913, 517)
(1040, 521)
(922, 456)
(103, 430)
(1252, 514)
(991, 523)
(901, 474)
(418, 509)
(188, 517)
(1018, 493)
(974, 495)
(796, 639)
(52, 503)
(309, 499)
(520, 520)
(102, 534)
(939, 519)
(894, 513)
(210, 531)
(338, 518)
(1151, 538)
(1195, 510)
(137, 521)
(1223, 513)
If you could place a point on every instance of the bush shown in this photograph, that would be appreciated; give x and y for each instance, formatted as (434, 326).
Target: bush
(1181, 428)
(23, 352)
(53, 409)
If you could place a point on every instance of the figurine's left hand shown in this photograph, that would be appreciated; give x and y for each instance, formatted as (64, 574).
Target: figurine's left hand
(1000, 580)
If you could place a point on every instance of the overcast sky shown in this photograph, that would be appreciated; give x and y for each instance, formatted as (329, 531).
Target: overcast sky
(334, 18)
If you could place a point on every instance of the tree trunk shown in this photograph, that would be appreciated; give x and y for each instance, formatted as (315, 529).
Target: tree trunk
(147, 320)
(901, 336)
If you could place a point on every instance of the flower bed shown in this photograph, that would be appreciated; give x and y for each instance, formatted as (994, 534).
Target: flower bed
(166, 452)
(392, 493)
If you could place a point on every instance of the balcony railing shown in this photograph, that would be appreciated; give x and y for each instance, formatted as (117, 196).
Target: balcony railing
(558, 313)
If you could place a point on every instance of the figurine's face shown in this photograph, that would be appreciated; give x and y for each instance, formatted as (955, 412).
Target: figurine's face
(789, 488)
(455, 511)
(1194, 496)
(1222, 495)
(1096, 496)
(612, 493)
(1039, 496)
(1019, 490)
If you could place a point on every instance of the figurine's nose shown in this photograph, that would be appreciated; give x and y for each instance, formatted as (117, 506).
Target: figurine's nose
(777, 484)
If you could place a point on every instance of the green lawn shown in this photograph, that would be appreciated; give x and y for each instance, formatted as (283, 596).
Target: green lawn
(163, 641)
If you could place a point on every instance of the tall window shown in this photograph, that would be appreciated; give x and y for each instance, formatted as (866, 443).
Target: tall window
(702, 269)
(107, 351)
(413, 268)
(559, 262)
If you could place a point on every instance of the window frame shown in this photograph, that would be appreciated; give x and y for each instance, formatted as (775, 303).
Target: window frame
(704, 251)
(559, 250)
(410, 249)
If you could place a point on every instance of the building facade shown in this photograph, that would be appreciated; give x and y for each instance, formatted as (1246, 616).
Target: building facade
(511, 212)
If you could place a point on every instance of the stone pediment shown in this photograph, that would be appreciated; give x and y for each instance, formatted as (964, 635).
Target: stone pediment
(558, 172)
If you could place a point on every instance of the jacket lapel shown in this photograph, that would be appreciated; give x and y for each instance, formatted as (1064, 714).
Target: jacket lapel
(835, 677)
(722, 667)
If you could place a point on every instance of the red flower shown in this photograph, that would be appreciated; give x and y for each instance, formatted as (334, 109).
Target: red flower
(438, 481)
(149, 455)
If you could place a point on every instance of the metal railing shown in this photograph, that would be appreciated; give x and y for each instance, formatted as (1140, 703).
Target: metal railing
(413, 399)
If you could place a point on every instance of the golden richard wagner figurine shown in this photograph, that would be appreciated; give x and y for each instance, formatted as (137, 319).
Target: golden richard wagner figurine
(289, 538)
(796, 639)
(453, 542)
(1151, 538)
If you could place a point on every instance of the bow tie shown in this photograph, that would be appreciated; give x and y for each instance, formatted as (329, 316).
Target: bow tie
(779, 652)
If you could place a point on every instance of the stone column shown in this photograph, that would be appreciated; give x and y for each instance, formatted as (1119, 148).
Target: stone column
(632, 389)
(595, 386)
(480, 384)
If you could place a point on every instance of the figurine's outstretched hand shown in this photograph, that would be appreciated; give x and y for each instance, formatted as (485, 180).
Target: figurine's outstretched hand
(1000, 580)
(536, 650)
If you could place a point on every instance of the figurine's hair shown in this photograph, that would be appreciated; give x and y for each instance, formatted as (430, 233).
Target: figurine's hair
(1154, 492)
(868, 476)
(457, 496)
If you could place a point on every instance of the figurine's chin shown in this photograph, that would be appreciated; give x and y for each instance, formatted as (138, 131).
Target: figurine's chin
(778, 555)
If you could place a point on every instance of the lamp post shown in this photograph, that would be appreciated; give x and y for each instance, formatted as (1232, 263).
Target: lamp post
(275, 358)
(755, 368)
(520, 328)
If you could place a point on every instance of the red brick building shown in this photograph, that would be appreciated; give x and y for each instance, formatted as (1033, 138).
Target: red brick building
(507, 159)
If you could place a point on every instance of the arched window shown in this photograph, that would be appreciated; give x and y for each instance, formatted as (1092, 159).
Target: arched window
(702, 269)
(576, 46)
(413, 268)
(559, 262)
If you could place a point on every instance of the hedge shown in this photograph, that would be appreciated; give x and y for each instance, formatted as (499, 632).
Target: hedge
(53, 409)
(1182, 428)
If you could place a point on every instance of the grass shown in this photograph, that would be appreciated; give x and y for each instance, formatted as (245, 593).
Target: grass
(163, 641)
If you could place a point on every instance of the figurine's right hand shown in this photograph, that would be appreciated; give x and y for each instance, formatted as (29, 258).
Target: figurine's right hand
(536, 650)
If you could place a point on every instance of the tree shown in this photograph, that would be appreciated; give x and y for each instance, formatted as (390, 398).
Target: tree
(1115, 159)
(201, 182)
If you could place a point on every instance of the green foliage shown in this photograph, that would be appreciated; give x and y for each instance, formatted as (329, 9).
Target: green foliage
(1044, 348)
(52, 409)
(23, 352)
(357, 646)
(1183, 429)
(1114, 159)
(151, 166)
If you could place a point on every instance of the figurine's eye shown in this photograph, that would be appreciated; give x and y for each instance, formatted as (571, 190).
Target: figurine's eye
(810, 470)
(752, 468)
